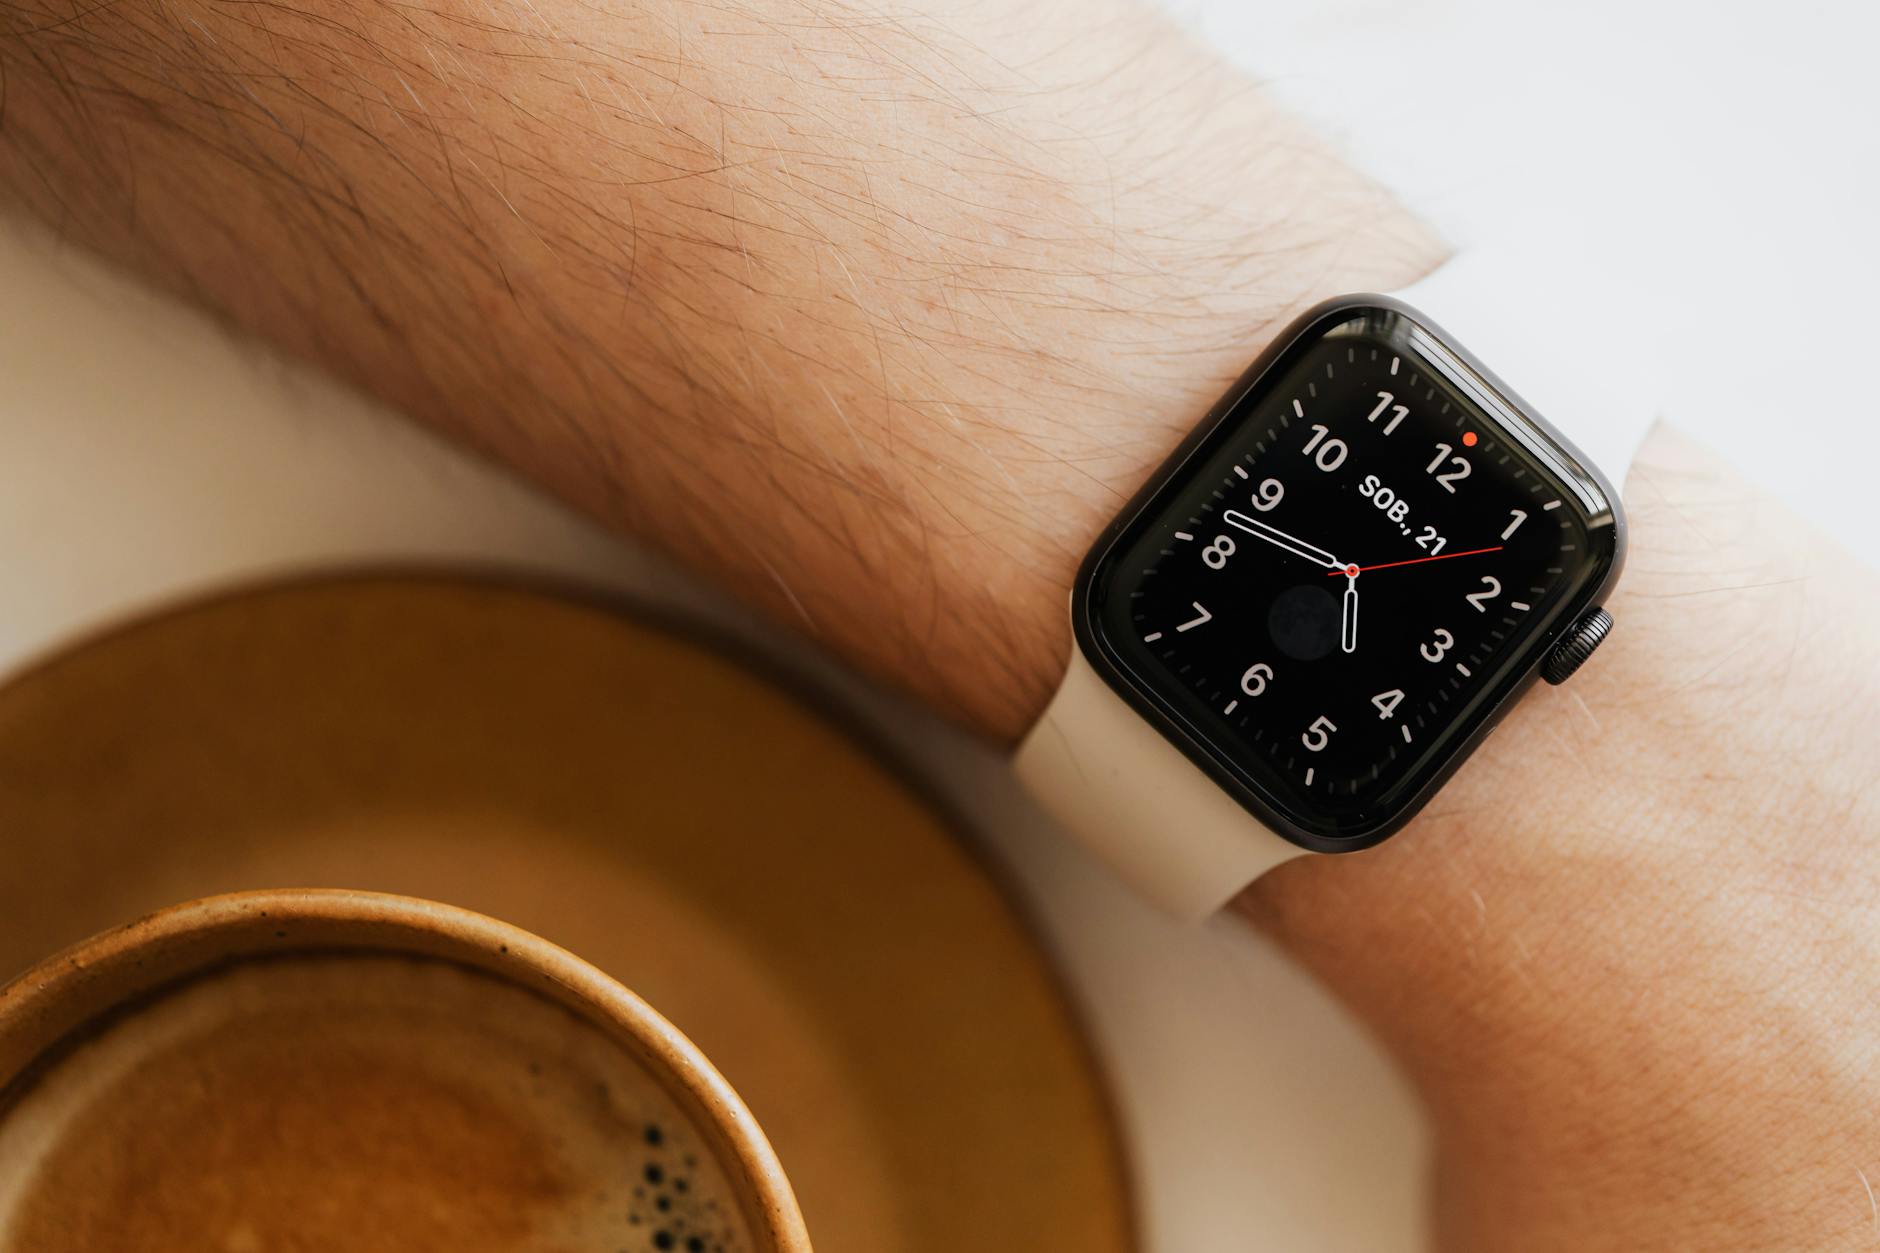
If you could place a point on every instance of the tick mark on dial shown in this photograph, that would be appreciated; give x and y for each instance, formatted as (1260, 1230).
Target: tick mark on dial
(1231, 706)
(1517, 604)
(1464, 670)
(1152, 637)
(1242, 473)
(1309, 772)
(1405, 728)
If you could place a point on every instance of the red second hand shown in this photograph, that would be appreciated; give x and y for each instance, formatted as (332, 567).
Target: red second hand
(1413, 561)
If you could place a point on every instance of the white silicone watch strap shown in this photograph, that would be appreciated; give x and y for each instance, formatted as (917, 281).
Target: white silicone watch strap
(1128, 793)
(1103, 772)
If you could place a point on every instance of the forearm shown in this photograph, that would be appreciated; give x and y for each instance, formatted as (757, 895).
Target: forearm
(876, 319)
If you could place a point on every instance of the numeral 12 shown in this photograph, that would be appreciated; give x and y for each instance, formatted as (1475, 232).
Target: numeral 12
(1454, 476)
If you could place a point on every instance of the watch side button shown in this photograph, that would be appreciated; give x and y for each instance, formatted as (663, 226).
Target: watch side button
(1572, 651)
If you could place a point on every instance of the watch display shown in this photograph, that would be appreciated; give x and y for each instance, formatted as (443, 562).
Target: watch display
(1362, 557)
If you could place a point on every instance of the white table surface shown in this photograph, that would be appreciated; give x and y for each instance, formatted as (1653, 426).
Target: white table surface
(1722, 151)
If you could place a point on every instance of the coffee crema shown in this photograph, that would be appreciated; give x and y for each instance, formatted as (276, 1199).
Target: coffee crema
(367, 1103)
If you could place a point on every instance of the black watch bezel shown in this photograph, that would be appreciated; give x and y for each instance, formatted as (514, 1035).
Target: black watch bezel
(1517, 421)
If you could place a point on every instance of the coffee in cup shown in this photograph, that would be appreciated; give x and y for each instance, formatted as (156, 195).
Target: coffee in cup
(346, 1071)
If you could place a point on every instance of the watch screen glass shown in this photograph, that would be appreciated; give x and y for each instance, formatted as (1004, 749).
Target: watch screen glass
(1336, 588)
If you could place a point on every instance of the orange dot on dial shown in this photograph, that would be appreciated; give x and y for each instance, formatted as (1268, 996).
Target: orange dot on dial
(1468, 439)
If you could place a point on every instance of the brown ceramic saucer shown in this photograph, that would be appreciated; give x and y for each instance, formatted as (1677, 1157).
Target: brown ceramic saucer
(697, 832)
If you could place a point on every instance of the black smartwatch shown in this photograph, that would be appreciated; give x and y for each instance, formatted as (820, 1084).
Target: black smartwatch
(1322, 602)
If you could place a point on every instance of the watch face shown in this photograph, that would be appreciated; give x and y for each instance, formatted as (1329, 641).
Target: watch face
(1326, 599)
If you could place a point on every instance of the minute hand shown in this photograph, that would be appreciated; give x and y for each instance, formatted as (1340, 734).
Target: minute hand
(1273, 535)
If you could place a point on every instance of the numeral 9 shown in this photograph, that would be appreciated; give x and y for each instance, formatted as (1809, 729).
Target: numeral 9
(1268, 494)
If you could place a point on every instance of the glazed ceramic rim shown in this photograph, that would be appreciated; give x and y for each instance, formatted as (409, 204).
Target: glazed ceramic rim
(61, 998)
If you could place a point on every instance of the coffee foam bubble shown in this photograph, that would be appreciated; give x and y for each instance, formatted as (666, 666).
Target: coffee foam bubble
(367, 1103)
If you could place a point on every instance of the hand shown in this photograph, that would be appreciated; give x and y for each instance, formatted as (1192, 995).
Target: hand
(1415, 561)
(1273, 535)
(1348, 627)
(1348, 631)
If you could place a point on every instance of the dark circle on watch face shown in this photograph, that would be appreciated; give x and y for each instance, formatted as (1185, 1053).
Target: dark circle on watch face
(1304, 622)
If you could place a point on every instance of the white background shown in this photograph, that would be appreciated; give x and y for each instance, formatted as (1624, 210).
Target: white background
(1723, 153)
(1726, 154)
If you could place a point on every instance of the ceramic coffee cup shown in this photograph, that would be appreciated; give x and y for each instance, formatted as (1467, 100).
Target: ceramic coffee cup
(348, 1070)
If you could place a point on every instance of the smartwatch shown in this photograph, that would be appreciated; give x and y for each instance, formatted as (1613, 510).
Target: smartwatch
(1325, 598)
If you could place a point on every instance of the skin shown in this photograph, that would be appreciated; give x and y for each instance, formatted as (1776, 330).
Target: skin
(1629, 954)
(876, 316)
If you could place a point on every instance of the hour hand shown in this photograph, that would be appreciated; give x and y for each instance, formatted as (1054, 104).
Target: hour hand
(1348, 625)
(1273, 535)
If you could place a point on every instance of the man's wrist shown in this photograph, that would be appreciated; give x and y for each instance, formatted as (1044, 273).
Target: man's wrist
(1639, 926)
